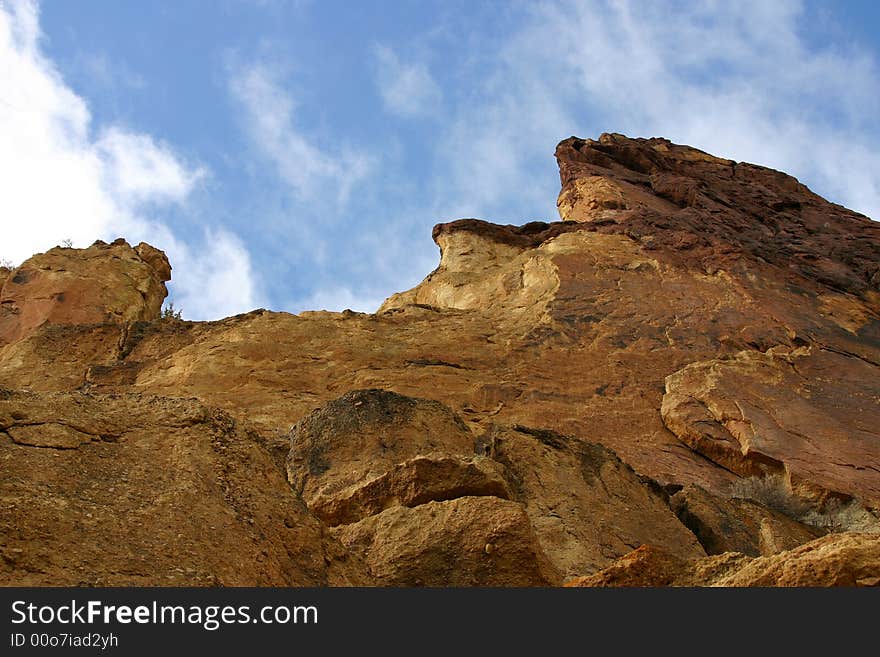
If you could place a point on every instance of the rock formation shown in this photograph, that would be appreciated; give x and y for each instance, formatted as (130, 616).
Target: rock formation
(103, 283)
(846, 559)
(601, 400)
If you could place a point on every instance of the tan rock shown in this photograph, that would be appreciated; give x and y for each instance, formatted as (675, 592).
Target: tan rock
(105, 282)
(833, 560)
(160, 492)
(435, 477)
(672, 258)
(48, 434)
(847, 559)
(470, 541)
(341, 454)
(587, 506)
(481, 267)
(644, 566)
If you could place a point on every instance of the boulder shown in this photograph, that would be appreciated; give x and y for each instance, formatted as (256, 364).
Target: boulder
(355, 455)
(419, 480)
(644, 566)
(103, 283)
(469, 541)
(587, 506)
(845, 559)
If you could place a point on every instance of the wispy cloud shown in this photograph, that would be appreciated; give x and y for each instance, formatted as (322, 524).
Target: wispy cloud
(407, 88)
(213, 275)
(736, 79)
(109, 74)
(140, 169)
(270, 119)
(65, 178)
(344, 184)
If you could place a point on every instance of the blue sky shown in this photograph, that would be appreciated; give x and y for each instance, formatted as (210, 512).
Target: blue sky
(294, 155)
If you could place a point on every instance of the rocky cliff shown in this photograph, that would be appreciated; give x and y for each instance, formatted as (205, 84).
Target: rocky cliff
(676, 384)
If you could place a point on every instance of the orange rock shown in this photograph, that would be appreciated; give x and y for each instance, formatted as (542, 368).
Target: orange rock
(645, 566)
(848, 559)
(811, 413)
(738, 525)
(105, 282)
(834, 560)
(134, 490)
(690, 321)
(469, 541)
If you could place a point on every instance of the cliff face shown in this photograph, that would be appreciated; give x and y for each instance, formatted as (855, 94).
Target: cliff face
(550, 398)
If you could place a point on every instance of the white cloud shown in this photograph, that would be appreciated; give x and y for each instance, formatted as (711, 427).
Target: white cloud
(492, 150)
(736, 79)
(270, 119)
(138, 169)
(213, 278)
(64, 178)
(407, 88)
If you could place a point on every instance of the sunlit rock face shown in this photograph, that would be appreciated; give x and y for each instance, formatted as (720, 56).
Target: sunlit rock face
(601, 399)
(103, 283)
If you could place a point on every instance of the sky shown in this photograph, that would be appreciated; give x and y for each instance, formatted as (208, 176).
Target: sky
(295, 154)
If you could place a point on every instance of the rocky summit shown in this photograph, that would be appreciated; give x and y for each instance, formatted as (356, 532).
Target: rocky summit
(677, 384)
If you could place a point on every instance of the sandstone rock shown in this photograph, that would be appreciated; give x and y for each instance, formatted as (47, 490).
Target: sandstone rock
(470, 541)
(105, 282)
(48, 434)
(847, 559)
(727, 293)
(483, 265)
(696, 205)
(644, 566)
(834, 560)
(422, 479)
(587, 506)
(737, 525)
(357, 454)
(811, 413)
(161, 492)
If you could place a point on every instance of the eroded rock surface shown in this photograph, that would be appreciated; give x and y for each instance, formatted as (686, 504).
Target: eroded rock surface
(847, 559)
(371, 449)
(587, 506)
(812, 413)
(690, 321)
(105, 282)
(469, 541)
(738, 525)
(135, 490)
